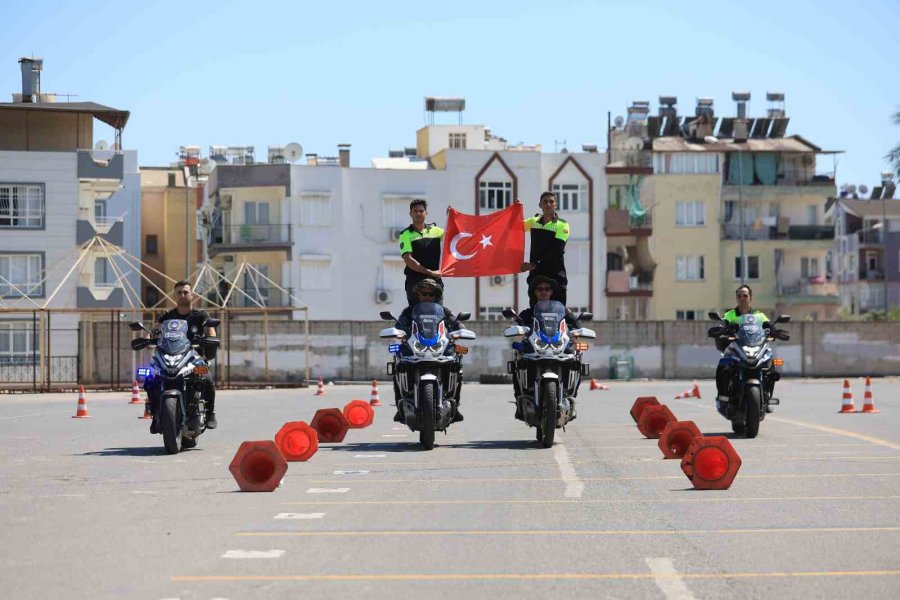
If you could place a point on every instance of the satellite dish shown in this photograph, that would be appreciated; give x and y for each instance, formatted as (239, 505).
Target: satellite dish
(619, 121)
(634, 143)
(863, 190)
(207, 166)
(851, 189)
(293, 152)
(101, 145)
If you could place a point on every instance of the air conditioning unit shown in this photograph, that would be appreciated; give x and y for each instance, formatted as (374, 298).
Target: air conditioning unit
(498, 280)
(226, 201)
(395, 233)
(382, 297)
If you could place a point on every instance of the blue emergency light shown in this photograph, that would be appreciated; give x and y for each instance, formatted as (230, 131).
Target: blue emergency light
(394, 348)
(144, 371)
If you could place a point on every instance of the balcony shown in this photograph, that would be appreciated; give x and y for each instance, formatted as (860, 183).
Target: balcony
(111, 229)
(620, 160)
(250, 237)
(622, 284)
(762, 231)
(810, 289)
(257, 297)
(869, 237)
(617, 222)
(101, 165)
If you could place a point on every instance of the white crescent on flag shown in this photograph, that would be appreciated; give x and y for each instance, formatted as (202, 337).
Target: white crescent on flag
(454, 251)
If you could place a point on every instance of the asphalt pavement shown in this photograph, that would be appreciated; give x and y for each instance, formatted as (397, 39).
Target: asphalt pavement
(95, 509)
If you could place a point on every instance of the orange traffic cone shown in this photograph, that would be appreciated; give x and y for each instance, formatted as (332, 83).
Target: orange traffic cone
(374, 398)
(321, 390)
(847, 400)
(135, 393)
(146, 414)
(868, 404)
(596, 385)
(82, 412)
(691, 393)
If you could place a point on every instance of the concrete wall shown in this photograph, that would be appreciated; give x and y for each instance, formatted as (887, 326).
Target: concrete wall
(660, 349)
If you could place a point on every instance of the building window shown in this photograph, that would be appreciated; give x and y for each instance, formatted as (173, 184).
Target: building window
(315, 272)
(16, 343)
(689, 268)
(172, 181)
(152, 296)
(457, 141)
(315, 210)
(694, 163)
(491, 313)
(20, 275)
(690, 315)
(151, 244)
(571, 196)
(395, 209)
(104, 275)
(689, 213)
(21, 206)
(752, 267)
(809, 267)
(392, 270)
(495, 195)
(256, 213)
(579, 257)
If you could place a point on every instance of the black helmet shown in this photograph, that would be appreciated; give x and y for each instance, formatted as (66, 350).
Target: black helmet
(544, 279)
(429, 284)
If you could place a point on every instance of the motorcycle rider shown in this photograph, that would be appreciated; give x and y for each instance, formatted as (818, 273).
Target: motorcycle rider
(733, 318)
(196, 319)
(542, 289)
(427, 290)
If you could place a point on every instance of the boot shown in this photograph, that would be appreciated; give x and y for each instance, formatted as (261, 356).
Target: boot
(397, 416)
(154, 425)
(211, 422)
(457, 416)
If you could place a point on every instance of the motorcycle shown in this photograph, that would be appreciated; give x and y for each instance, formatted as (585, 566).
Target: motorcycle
(427, 369)
(173, 380)
(750, 368)
(547, 367)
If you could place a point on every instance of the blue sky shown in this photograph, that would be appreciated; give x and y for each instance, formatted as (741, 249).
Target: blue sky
(259, 73)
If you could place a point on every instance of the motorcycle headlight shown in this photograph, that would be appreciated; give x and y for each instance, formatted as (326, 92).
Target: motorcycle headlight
(750, 351)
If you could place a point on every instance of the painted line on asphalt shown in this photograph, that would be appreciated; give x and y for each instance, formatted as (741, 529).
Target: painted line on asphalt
(303, 516)
(604, 501)
(253, 554)
(353, 472)
(327, 490)
(668, 579)
(574, 486)
(369, 455)
(24, 416)
(557, 479)
(571, 532)
(395, 435)
(838, 431)
(531, 576)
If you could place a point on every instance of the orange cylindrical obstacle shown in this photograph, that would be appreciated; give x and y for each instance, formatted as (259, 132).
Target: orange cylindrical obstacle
(711, 463)
(676, 438)
(847, 399)
(135, 393)
(596, 385)
(146, 414)
(642, 404)
(321, 389)
(330, 424)
(694, 392)
(359, 414)
(297, 441)
(653, 420)
(81, 411)
(258, 466)
(374, 398)
(868, 401)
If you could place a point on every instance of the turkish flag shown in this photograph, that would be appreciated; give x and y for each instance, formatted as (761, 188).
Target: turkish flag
(475, 246)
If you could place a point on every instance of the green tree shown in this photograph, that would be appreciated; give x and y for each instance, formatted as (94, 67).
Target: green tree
(894, 154)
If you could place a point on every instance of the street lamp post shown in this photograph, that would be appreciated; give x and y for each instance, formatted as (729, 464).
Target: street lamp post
(709, 139)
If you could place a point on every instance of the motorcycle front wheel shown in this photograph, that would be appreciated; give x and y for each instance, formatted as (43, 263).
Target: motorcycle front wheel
(753, 407)
(168, 423)
(549, 402)
(426, 416)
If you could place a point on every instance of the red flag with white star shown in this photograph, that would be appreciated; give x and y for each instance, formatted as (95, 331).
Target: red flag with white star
(480, 245)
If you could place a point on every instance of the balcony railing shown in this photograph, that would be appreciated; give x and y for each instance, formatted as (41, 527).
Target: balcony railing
(753, 231)
(623, 283)
(622, 222)
(732, 231)
(628, 158)
(869, 236)
(254, 297)
(251, 235)
(808, 287)
(811, 232)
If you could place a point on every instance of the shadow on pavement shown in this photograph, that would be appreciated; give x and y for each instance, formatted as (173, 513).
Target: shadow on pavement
(729, 434)
(496, 445)
(413, 444)
(145, 451)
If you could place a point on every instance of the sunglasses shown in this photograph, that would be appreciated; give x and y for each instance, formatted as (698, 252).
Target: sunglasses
(543, 289)
(427, 294)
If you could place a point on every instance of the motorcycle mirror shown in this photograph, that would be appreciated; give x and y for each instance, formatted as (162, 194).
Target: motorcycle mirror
(715, 331)
(714, 316)
(139, 343)
(386, 315)
(783, 319)
(586, 316)
(212, 322)
(509, 313)
(136, 326)
(782, 335)
(464, 316)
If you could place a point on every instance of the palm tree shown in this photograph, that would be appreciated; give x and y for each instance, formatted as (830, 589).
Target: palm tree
(894, 154)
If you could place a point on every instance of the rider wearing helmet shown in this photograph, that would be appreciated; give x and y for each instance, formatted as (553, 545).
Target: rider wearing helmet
(734, 317)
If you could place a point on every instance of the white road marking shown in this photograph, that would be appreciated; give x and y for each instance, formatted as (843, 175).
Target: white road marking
(398, 428)
(327, 490)
(369, 455)
(299, 515)
(23, 416)
(574, 486)
(392, 435)
(667, 579)
(143, 492)
(351, 472)
(253, 554)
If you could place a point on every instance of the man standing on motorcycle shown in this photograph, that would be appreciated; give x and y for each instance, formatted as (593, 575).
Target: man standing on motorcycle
(427, 290)
(196, 319)
(733, 317)
(549, 234)
(420, 249)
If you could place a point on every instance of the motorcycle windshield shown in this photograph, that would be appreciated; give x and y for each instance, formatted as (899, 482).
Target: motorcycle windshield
(751, 332)
(174, 338)
(548, 314)
(428, 316)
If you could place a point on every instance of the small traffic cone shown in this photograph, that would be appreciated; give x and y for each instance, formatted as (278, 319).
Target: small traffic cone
(82, 412)
(847, 400)
(868, 404)
(321, 390)
(374, 398)
(146, 414)
(596, 385)
(135, 393)
(691, 393)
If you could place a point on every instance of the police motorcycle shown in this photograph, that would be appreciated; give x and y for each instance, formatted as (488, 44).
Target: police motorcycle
(750, 369)
(547, 367)
(173, 379)
(427, 368)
